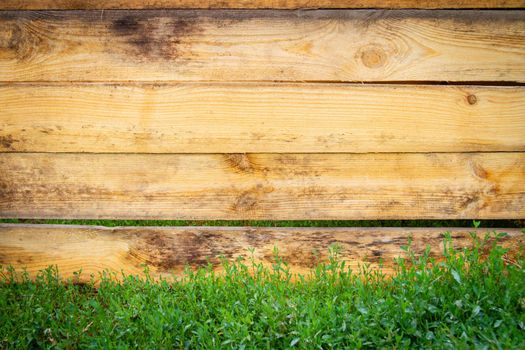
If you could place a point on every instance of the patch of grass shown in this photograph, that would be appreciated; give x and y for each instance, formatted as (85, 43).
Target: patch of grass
(474, 298)
(279, 223)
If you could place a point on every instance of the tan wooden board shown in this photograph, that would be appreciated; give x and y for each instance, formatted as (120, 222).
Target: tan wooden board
(278, 4)
(263, 186)
(260, 117)
(248, 45)
(167, 250)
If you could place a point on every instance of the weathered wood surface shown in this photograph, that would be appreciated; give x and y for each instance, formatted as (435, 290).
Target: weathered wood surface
(167, 250)
(260, 117)
(263, 186)
(244, 45)
(252, 4)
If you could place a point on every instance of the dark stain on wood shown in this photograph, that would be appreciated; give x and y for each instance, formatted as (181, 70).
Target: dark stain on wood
(171, 253)
(377, 253)
(127, 25)
(465, 16)
(7, 141)
(166, 252)
(156, 250)
(375, 256)
(155, 38)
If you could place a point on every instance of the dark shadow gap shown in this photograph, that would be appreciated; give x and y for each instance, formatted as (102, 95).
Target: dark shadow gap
(515, 223)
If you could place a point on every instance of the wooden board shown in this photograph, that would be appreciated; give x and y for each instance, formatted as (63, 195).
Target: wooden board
(257, 117)
(167, 250)
(263, 186)
(279, 4)
(215, 45)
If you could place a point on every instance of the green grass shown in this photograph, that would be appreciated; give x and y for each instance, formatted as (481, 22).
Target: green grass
(281, 223)
(470, 300)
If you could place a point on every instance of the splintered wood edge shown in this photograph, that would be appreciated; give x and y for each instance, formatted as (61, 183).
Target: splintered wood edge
(166, 251)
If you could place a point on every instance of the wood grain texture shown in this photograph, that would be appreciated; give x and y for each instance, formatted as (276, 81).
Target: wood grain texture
(263, 186)
(260, 117)
(253, 4)
(167, 250)
(244, 45)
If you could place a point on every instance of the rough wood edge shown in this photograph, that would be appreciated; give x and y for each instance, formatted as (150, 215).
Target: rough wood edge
(259, 4)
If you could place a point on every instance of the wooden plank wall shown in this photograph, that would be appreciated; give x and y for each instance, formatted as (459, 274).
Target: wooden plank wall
(238, 110)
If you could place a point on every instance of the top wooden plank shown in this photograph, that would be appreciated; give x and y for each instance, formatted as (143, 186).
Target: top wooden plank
(265, 45)
(253, 4)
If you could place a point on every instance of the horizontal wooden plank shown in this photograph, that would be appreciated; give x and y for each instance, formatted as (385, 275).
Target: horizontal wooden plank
(260, 117)
(251, 4)
(263, 186)
(244, 45)
(167, 250)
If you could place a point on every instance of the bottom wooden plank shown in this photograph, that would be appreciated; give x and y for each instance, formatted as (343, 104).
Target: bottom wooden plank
(167, 250)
